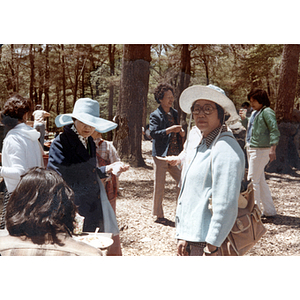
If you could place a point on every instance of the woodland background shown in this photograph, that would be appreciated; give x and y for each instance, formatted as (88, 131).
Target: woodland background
(122, 79)
(257, 22)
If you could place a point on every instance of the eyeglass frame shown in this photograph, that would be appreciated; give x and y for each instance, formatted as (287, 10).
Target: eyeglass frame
(201, 108)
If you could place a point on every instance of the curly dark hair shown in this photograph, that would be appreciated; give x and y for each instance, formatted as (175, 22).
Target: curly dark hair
(260, 96)
(41, 204)
(16, 107)
(160, 90)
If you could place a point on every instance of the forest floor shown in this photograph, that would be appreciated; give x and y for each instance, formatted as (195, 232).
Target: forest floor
(140, 235)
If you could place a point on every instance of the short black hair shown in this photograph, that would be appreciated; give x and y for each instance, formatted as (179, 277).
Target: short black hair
(245, 104)
(160, 91)
(260, 96)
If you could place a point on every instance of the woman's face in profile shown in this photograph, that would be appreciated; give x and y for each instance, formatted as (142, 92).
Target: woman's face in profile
(255, 104)
(84, 129)
(167, 100)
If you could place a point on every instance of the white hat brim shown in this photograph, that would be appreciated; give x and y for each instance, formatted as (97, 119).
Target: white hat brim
(101, 125)
(199, 92)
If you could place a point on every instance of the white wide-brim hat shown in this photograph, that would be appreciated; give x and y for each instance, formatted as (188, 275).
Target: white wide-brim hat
(211, 93)
(86, 111)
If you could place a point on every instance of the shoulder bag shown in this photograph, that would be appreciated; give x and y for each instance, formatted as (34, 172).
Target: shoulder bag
(247, 229)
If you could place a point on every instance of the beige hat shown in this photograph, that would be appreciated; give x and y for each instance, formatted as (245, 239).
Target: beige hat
(211, 93)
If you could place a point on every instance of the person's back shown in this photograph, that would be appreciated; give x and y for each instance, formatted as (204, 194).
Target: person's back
(39, 116)
(23, 246)
(40, 218)
(39, 122)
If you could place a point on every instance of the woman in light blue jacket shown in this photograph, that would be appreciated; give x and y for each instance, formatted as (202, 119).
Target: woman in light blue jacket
(216, 169)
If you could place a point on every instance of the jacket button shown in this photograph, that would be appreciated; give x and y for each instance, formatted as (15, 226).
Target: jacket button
(94, 170)
(95, 182)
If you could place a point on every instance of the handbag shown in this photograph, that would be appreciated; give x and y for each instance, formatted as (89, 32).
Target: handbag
(248, 227)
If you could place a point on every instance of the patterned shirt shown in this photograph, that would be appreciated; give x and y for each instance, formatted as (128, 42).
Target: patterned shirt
(82, 139)
(106, 150)
(174, 148)
(212, 135)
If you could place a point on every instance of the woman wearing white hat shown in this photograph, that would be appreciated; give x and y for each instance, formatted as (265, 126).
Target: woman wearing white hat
(216, 170)
(73, 155)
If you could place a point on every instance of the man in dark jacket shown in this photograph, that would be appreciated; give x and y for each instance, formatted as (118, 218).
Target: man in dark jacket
(167, 137)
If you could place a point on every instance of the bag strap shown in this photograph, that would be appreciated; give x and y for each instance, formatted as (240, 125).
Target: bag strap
(242, 201)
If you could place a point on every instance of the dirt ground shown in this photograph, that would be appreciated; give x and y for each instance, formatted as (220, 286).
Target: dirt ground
(141, 236)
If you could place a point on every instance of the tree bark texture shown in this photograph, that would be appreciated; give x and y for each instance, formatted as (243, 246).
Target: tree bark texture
(31, 58)
(111, 55)
(185, 76)
(286, 152)
(287, 83)
(63, 65)
(133, 94)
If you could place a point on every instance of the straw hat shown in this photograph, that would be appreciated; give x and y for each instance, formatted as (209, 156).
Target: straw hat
(209, 92)
(86, 111)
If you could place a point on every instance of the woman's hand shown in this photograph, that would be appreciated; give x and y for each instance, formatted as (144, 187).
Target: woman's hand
(174, 128)
(182, 132)
(117, 168)
(210, 250)
(272, 153)
(173, 160)
(242, 113)
(181, 248)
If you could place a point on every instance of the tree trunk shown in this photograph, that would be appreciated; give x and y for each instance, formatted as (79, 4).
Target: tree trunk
(287, 83)
(12, 69)
(286, 152)
(185, 75)
(76, 77)
(47, 79)
(133, 94)
(41, 73)
(63, 78)
(31, 87)
(111, 55)
(82, 78)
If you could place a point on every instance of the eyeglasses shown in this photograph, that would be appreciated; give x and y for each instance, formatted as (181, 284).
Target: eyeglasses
(207, 109)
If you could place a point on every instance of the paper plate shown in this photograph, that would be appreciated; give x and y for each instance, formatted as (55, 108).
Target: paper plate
(95, 240)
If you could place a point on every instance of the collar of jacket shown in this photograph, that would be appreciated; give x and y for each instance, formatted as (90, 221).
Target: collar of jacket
(77, 145)
(165, 115)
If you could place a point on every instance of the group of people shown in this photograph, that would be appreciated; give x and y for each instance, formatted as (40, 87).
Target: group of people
(72, 157)
(211, 163)
(82, 171)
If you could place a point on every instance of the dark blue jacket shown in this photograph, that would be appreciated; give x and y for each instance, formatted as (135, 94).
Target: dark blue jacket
(158, 124)
(72, 161)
